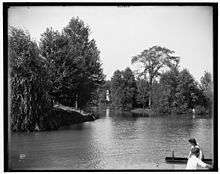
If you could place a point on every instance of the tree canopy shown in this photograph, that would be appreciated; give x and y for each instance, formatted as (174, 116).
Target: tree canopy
(75, 67)
(153, 60)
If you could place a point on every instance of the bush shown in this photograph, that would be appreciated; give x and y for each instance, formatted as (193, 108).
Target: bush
(200, 110)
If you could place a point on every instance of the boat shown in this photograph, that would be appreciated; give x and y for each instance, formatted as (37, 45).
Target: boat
(179, 160)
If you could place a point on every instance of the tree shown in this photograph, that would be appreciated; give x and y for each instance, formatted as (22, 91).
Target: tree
(29, 99)
(142, 92)
(169, 80)
(176, 92)
(206, 82)
(164, 92)
(117, 89)
(206, 86)
(129, 88)
(153, 60)
(161, 94)
(123, 89)
(186, 91)
(75, 68)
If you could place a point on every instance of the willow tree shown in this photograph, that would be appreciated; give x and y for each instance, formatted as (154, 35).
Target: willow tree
(29, 100)
(153, 60)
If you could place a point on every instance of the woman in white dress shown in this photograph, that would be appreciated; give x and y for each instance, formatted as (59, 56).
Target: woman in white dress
(194, 144)
(194, 162)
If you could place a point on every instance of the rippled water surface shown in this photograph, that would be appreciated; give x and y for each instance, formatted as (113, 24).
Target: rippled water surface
(115, 141)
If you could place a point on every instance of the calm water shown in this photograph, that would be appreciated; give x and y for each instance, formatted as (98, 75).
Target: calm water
(115, 141)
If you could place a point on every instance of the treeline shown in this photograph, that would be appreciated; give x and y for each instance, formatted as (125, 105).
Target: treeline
(63, 68)
(160, 86)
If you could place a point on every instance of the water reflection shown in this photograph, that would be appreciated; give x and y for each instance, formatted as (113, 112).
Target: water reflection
(107, 112)
(115, 141)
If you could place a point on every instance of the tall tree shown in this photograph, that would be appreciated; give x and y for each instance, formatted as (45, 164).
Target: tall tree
(74, 62)
(117, 89)
(153, 60)
(169, 80)
(123, 89)
(29, 99)
(130, 89)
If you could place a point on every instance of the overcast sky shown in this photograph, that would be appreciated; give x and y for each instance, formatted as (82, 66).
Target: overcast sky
(123, 32)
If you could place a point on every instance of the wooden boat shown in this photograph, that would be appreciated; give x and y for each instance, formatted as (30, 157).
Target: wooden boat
(179, 160)
(183, 160)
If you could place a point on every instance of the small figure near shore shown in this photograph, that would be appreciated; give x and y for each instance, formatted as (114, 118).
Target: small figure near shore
(193, 111)
(193, 161)
(194, 144)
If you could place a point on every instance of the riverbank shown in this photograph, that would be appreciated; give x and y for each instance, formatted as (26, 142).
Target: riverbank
(61, 115)
(151, 112)
(142, 112)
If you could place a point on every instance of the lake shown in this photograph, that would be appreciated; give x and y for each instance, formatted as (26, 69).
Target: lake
(114, 141)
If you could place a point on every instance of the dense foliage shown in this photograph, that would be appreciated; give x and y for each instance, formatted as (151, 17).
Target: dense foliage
(178, 92)
(123, 89)
(175, 92)
(142, 97)
(29, 100)
(75, 68)
(65, 68)
(206, 86)
(153, 60)
(161, 85)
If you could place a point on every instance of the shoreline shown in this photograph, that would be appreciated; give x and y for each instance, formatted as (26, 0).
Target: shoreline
(64, 116)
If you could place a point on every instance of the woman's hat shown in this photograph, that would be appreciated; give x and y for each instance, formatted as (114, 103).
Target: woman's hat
(193, 141)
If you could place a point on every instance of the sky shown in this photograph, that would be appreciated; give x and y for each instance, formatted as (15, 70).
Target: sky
(123, 32)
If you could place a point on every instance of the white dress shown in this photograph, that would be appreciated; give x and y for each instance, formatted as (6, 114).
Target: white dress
(193, 162)
(200, 152)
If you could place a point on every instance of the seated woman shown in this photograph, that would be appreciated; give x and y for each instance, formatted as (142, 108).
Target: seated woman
(194, 144)
(193, 161)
